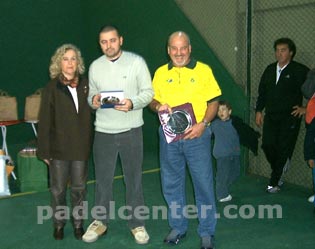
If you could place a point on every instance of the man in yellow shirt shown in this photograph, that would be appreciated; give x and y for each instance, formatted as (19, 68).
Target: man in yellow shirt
(180, 81)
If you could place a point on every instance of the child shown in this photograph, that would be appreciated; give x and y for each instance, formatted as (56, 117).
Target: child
(229, 132)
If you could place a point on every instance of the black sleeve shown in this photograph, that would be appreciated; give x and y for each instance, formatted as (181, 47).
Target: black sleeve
(261, 99)
(248, 136)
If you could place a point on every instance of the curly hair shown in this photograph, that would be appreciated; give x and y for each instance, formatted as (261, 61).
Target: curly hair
(55, 62)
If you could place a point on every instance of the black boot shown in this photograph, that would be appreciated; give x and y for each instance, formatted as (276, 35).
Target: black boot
(78, 232)
(58, 233)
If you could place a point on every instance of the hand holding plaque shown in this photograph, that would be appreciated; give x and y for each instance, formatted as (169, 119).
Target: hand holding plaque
(111, 98)
(176, 123)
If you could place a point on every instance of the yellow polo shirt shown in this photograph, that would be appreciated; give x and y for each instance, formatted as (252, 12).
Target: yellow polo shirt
(194, 83)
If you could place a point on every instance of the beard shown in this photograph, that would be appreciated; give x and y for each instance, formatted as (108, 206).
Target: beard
(112, 53)
(180, 61)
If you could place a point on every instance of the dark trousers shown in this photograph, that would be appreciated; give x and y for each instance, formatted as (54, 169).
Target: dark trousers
(63, 173)
(129, 146)
(279, 138)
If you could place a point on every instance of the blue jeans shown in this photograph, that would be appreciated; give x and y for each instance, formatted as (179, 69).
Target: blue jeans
(174, 157)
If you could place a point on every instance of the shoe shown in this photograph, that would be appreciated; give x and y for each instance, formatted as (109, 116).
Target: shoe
(272, 190)
(58, 233)
(78, 233)
(174, 237)
(141, 235)
(94, 231)
(207, 242)
(311, 199)
(228, 198)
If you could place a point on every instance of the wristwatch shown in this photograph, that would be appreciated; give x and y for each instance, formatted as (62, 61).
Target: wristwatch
(205, 123)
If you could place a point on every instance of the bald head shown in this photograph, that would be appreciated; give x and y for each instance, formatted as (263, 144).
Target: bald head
(179, 48)
(179, 34)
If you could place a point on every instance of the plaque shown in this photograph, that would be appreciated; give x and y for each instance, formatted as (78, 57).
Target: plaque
(175, 124)
(111, 98)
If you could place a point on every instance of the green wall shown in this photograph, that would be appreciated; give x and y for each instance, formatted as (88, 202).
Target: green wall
(31, 30)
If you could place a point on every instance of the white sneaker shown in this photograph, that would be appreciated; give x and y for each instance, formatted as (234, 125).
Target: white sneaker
(228, 198)
(273, 190)
(141, 235)
(94, 231)
(311, 199)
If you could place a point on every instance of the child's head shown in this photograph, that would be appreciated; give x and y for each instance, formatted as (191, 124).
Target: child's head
(225, 110)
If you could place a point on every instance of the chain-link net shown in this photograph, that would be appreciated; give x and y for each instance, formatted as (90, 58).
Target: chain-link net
(225, 27)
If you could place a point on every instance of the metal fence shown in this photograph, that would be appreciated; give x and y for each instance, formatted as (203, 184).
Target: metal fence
(241, 33)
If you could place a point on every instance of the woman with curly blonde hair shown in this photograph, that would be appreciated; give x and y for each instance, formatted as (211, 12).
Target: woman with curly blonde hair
(55, 63)
(64, 136)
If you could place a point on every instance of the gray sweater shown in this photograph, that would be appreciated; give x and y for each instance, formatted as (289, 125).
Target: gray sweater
(131, 75)
(226, 139)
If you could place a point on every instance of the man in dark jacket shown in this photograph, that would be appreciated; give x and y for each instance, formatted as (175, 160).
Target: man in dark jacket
(280, 96)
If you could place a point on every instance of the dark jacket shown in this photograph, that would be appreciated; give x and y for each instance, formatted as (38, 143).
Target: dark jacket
(281, 97)
(64, 134)
(248, 136)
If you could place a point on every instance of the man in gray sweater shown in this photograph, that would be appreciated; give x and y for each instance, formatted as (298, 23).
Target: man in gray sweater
(118, 129)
